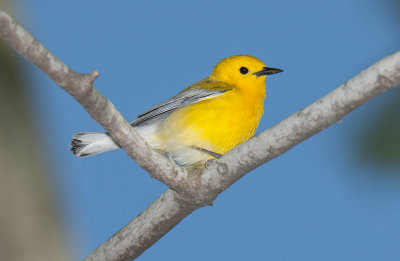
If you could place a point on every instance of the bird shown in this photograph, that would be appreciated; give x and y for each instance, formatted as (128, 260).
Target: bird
(203, 121)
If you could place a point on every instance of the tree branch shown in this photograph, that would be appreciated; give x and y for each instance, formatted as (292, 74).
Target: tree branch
(144, 230)
(194, 188)
(331, 108)
(273, 142)
(80, 86)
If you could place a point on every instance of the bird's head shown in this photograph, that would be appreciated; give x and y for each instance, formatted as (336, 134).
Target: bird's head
(242, 71)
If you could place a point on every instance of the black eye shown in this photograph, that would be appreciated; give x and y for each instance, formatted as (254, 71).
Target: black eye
(243, 70)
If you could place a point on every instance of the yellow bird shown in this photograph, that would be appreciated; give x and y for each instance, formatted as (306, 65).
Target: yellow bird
(203, 121)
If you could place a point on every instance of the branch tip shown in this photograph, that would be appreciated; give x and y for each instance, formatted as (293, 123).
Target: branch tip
(93, 76)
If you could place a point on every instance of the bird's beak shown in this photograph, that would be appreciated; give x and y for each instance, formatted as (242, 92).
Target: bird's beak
(267, 71)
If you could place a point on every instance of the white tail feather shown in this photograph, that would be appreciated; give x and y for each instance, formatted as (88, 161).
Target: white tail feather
(86, 144)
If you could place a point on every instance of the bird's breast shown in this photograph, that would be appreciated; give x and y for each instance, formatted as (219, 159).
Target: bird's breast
(217, 124)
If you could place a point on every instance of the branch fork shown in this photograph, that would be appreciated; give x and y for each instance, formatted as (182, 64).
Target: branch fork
(192, 188)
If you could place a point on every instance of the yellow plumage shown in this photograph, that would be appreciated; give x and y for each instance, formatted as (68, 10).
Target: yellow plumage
(220, 123)
(208, 118)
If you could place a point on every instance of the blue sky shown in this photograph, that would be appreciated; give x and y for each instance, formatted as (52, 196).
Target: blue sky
(318, 201)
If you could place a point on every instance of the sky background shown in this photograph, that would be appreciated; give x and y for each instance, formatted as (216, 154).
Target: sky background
(318, 201)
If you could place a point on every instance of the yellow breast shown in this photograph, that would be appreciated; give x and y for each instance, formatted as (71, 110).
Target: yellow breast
(216, 124)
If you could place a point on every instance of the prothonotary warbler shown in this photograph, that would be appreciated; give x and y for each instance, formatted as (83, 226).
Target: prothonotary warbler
(203, 121)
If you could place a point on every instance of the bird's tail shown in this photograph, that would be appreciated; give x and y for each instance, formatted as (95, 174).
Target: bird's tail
(85, 144)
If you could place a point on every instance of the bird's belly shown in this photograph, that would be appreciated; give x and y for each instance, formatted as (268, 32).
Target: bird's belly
(215, 125)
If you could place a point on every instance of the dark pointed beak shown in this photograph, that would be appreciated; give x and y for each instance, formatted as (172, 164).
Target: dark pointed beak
(267, 71)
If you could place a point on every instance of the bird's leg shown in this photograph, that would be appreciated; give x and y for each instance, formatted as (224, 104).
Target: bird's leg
(212, 153)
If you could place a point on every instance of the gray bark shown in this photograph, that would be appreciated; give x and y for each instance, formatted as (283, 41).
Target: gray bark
(194, 188)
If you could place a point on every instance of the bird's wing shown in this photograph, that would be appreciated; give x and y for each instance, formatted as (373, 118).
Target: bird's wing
(188, 96)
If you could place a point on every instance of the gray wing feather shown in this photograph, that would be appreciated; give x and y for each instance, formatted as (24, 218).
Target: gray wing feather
(184, 98)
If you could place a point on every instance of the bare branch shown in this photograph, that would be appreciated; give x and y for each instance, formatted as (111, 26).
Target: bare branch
(194, 187)
(102, 110)
(143, 231)
(331, 108)
(273, 142)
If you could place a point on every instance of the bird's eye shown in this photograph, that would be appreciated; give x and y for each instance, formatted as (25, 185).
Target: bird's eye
(243, 70)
